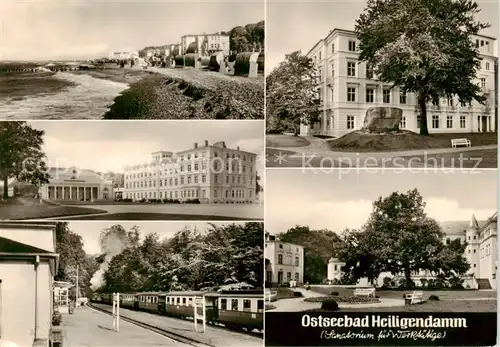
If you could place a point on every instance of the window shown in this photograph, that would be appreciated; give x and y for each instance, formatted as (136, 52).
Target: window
(333, 48)
(178, 301)
(184, 301)
(260, 304)
(387, 96)
(419, 121)
(351, 68)
(352, 46)
(319, 56)
(435, 102)
(333, 70)
(449, 122)
(435, 122)
(351, 94)
(402, 98)
(280, 259)
(483, 83)
(297, 276)
(350, 122)
(370, 95)
(487, 65)
(223, 304)
(369, 71)
(246, 305)
(462, 122)
(296, 261)
(402, 123)
(234, 304)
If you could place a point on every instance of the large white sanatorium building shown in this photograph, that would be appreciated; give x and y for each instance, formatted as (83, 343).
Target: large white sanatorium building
(209, 173)
(284, 261)
(76, 184)
(347, 89)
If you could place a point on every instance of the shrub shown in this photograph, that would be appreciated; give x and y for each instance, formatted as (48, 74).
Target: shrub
(56, 318)
(330, 305)
(308, 287)
(404, 284)
(334, 293)
(387, 282)
(423, 282)
(297, 294)
(344, 299)
(433, 298)
(456, 283)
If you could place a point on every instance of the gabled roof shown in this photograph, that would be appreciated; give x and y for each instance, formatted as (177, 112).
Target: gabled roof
(11, 246)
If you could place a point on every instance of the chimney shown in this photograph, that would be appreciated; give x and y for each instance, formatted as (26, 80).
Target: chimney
(223, 144)
(206, 143)
(238, 148)
(196, 145)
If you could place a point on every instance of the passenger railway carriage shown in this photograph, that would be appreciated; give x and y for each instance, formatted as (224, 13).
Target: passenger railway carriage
(233, 309)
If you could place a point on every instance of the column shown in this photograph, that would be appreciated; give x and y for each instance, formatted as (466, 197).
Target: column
(84, 193)
(91, 193)
(70, 193)
(78, 193)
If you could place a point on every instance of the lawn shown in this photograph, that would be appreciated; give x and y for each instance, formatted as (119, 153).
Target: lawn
(357, 141)
(285, 141)
(157, 216)
(486, 158)
(11, 212)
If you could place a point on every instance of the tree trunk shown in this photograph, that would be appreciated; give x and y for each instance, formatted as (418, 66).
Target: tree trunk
(5, 188)
(407, 274)
(424, 130)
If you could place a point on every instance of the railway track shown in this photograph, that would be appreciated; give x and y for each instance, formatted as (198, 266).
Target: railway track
(166, 333)
(259, 334)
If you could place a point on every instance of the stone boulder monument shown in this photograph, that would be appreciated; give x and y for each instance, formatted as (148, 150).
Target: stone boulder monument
(380, 120)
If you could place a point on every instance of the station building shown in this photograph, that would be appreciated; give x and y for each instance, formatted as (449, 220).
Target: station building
(73, 184)
(284, 261)
(28, 264)
(212, 173)
(348, 88)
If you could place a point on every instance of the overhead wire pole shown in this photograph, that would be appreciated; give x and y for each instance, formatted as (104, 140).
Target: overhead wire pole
(77, 287)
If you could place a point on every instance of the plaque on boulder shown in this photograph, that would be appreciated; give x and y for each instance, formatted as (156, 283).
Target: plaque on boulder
(382, 120)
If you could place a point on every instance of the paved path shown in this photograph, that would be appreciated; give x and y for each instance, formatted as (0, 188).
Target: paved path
(239, 211)
(87, 327)
(213, 336)
(317, 156)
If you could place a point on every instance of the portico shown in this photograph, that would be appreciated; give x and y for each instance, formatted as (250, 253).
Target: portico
(76, 185)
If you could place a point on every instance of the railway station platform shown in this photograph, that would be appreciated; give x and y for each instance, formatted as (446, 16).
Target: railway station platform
(88, 327)
(213, 336)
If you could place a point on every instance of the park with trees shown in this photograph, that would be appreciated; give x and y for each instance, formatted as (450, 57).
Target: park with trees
(396, 242)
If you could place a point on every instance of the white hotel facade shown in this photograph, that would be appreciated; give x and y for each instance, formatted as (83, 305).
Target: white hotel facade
(209, 173)
(347, 89)
(284, 261)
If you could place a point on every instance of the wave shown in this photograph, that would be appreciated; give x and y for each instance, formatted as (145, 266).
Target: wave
(89, 99)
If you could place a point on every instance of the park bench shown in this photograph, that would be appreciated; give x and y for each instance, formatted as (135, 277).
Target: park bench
(460, 142)
(415, 297)
(364, 292)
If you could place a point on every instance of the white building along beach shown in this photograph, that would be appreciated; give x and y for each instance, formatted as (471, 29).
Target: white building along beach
(208, 173)
(348, 88)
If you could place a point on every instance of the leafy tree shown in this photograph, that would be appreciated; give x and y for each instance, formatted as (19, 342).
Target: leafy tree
(360, 261)
(424, 47)
(21, 154)
(291, 94)
(405, 240)
(69, 246)
(189, 260)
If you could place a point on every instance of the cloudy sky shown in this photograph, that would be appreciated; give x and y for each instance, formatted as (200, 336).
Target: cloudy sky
(70, 29)
(90, 231)
(112, 145)
(298, 25)
(336, 201)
